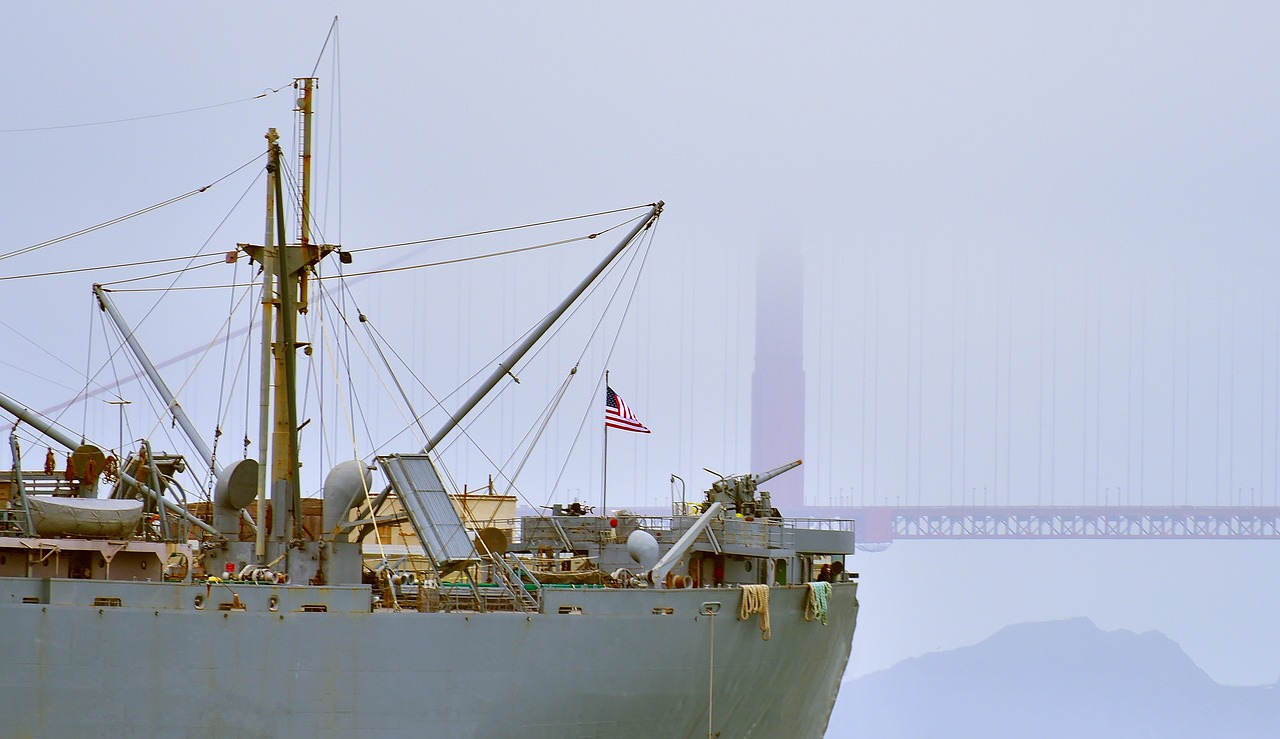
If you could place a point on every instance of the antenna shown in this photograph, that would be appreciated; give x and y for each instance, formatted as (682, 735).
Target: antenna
(305, 86)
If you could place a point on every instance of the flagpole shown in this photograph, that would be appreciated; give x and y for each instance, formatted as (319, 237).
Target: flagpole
(604, 483)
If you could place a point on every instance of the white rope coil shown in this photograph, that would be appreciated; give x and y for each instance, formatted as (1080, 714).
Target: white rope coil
(755, 599)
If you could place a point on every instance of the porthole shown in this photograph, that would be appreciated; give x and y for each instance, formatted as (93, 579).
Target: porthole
(143, 564)
(273, 603)
(747, 565)
(199, 602)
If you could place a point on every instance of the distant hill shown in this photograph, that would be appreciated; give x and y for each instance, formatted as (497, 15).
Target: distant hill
(1054, 679)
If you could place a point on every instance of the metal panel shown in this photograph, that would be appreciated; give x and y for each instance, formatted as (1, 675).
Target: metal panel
(427, 504)
(435, 674)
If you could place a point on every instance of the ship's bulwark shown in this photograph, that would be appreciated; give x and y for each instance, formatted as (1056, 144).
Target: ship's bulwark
(157, 666)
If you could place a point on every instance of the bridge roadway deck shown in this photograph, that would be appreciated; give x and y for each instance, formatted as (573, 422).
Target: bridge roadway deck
(884, 524)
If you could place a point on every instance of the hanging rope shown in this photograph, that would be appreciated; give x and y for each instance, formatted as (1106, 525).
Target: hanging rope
(755, 599)
(815, 603)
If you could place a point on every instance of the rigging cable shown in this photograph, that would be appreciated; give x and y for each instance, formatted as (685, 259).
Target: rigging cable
(51, 355)
(222, 389)
(263, 94)
(416, 418)
(151, 310)
(333, 31)
(88, 363)
(352, 405)
(464, 429)
(335, 112)
(191, 375)
(146, 262)
(248, 414)
(596, 393)
(535, 353)
(351, 432)
(81, 392)
(150, 398)
(569, 316)
(110, 360)
(125, 217)
(197, 351)
(368, 359)
(378, 339)
(241, 364)
(544, 344)
(545, 420)
(322, 278)
(347, 415)
(75, 270)
(171, 288)
(512, 228)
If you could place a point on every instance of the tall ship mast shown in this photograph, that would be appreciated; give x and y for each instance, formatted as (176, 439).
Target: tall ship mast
(268, 612)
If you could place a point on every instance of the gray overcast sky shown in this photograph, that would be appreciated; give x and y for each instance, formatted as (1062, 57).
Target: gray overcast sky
(1040, 250)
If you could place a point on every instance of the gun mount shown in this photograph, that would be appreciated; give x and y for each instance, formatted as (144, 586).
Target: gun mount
(742, 493)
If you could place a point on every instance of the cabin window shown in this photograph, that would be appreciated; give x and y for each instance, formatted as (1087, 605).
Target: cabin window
(664, 611)
(571, 610)
(108, 602)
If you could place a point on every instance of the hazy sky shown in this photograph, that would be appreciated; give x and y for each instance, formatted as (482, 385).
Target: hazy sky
(1039, 250)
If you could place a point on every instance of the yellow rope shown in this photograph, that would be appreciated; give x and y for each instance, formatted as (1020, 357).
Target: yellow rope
(755, 599)
(815, 605)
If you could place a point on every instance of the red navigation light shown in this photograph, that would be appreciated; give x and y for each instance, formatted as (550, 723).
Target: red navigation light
(613, 523)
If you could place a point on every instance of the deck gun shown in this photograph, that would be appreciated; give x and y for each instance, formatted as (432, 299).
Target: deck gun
(742, 492)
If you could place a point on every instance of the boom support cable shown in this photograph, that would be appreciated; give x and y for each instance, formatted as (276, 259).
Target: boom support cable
(612, 346)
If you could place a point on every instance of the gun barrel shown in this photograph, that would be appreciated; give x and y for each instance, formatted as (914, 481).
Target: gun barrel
(766, 476)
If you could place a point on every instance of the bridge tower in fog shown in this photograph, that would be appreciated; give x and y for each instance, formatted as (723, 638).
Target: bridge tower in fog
(777, 382)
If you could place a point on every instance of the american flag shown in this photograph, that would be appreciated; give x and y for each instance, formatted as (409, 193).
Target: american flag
(618, 416)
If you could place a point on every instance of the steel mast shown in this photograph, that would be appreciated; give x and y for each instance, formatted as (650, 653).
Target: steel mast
(286, 271)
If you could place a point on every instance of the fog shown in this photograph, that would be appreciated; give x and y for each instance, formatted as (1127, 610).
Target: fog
(1038, 249)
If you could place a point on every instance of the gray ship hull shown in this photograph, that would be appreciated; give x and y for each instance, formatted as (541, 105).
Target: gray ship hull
(139, 659)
